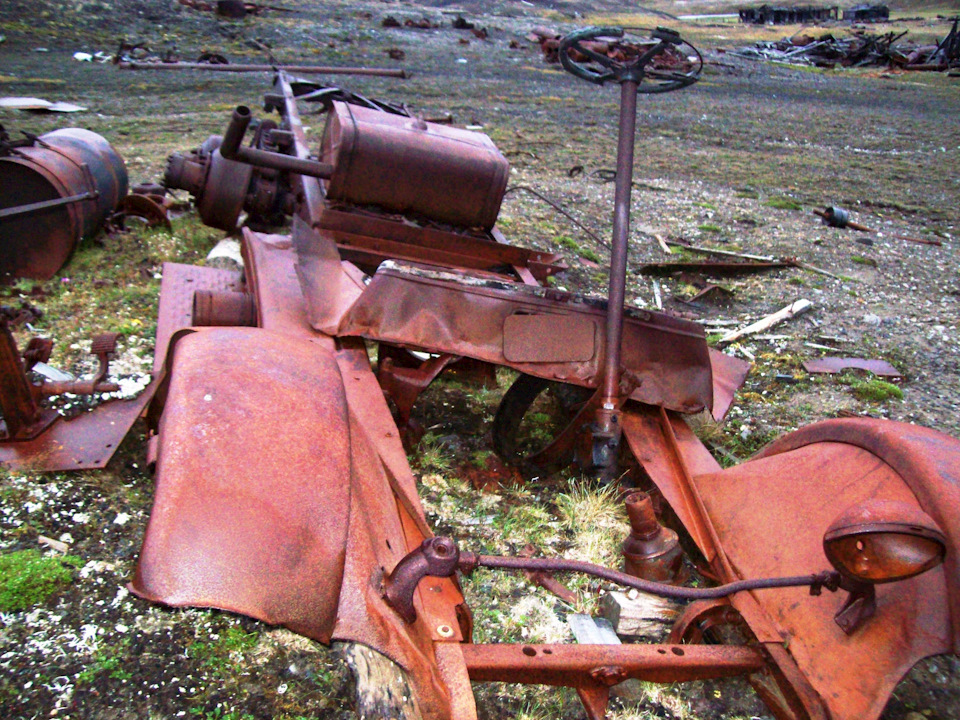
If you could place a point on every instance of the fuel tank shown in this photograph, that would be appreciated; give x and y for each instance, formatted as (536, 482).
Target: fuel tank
(405, 165)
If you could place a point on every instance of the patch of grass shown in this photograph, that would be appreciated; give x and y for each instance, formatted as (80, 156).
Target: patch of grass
(861, 260)
(871, 390)
(707, 205)
(478, 458)
(783, 203)
(220, 653)
(28, 578)
(107, 660)
(748, 193)
(709, 227)
(431, 455)
(218, 713)
(572, 245)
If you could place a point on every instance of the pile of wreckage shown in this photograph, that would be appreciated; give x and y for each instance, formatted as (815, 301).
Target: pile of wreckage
(858, 50)
(779, 15)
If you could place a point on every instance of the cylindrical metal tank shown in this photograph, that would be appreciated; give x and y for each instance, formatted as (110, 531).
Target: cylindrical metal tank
(53, 193)
(406, 165)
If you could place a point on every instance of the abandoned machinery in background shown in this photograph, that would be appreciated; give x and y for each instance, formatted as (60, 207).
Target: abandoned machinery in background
(394, 242)
(54, 190)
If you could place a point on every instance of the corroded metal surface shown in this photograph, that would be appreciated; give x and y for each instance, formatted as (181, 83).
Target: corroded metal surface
(407, 165)
(259, 533)
(771, 513)
(327, 534)
(72, 165)
(453, 313)
(86, 442)
(177, 289)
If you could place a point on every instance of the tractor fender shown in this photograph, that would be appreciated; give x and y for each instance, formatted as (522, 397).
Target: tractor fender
(770, 514)
(253, 480)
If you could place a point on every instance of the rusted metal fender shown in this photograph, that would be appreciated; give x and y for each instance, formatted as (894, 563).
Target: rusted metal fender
(236, 526)
(282, 493)
(770, 514)
(928, 461)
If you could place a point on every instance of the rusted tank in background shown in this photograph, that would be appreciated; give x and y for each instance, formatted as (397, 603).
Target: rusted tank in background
(54, 190)
(406, 165)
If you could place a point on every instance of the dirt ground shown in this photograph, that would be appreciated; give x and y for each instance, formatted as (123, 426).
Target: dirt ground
(737, 162)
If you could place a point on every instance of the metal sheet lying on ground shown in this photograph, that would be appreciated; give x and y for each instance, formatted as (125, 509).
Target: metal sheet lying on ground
(86, 442)
(839, 364)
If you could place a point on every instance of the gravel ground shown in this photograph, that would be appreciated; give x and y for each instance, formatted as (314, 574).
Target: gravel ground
(737, 162)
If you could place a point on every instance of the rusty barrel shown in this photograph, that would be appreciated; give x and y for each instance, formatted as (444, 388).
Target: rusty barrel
(52, 194)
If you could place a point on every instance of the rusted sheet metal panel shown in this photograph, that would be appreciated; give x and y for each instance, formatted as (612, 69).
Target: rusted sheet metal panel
(439, 598)
(260, 533)
(729, 373)
(642, 426)
(453, 313)
(177, 289)
(770, 515)
(839, 364)
(548, 337)
(67, 163)
(447, 174)
(86, 442)
(372, 238)
(382, 496)
(270, 263)
(324, 277)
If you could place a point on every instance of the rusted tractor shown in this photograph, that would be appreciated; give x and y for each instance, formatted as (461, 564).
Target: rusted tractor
(284, 492)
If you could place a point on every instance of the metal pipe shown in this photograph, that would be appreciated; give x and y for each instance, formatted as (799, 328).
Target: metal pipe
(45, 205)
(231, 149)
(828, 579)
(621, 231)
(302, 69)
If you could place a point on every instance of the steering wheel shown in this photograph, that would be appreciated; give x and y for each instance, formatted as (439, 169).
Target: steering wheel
(656, 68)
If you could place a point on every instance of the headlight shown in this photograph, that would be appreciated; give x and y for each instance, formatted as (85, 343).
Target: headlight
(882, 541)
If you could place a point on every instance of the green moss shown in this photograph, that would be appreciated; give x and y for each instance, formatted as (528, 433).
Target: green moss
(709, 227)
(783, 203)
(875, 391)
(861, 260)
(28, 578)
(220, 654)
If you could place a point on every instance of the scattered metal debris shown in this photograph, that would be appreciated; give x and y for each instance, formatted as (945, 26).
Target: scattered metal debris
(832, 365)
(840, 218)
(714, 267)
(237, 68)
(858, 49)
(780, 15)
